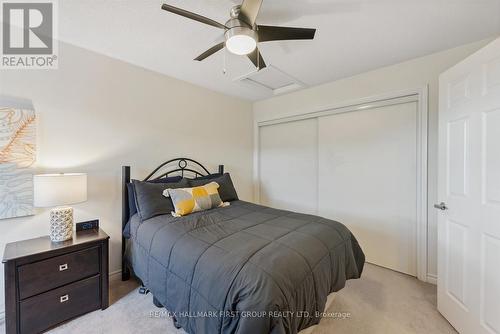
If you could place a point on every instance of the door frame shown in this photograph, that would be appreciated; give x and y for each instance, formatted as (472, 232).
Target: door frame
(419, 95)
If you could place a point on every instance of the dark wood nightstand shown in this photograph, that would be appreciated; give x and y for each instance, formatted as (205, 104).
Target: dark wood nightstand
(47, 283)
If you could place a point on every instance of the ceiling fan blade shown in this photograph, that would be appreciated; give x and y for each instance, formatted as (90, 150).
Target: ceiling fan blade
(249, 11)
(257, 59)
(272, 33)
(210, 51)
(192, 16)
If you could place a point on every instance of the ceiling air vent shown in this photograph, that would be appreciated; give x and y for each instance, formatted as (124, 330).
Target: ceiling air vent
(274, 80)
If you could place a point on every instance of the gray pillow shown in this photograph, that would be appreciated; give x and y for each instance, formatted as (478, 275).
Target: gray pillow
(149, 198)
(226, 188)
(132, 208)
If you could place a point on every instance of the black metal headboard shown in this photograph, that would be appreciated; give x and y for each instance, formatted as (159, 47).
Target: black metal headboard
(179, 166)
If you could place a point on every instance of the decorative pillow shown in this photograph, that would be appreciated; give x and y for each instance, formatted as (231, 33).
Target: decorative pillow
(226, 191)
(189, 200)
(207, 177)
(132, 208)
(167, 179)
(149, 198)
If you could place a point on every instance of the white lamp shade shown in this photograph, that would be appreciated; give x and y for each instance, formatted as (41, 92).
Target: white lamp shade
(59, 189)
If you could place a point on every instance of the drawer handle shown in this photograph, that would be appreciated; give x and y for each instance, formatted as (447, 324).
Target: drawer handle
(63, 267)
(64, 298)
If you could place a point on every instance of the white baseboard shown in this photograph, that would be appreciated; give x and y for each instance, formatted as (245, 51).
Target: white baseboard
(115, 275)
(432, 279)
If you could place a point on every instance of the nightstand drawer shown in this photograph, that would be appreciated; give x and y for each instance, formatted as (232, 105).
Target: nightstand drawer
(48, 309)
(38, 277)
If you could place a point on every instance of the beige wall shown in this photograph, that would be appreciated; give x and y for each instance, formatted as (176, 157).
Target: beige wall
(408, 75)
(96, 114)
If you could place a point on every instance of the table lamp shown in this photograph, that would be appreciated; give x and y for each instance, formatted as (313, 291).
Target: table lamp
(59, 190)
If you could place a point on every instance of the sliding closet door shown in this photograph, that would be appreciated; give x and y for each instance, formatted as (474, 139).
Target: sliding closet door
(367, 180)
(288, 165)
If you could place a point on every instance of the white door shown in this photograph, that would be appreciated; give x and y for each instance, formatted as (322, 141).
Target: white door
(469, 186)
(368, 180)
(288, 166)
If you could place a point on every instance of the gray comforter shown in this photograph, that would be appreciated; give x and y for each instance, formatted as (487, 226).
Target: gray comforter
(245, 268)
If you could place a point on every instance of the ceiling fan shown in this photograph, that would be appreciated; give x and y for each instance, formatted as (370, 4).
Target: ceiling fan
(241, 33)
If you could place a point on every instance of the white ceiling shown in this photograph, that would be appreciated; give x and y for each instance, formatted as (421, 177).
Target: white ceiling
(352, 37)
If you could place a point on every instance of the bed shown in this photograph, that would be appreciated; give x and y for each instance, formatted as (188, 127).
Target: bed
(244, 268)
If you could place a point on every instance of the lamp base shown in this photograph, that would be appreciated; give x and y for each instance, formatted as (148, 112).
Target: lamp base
(61, 224)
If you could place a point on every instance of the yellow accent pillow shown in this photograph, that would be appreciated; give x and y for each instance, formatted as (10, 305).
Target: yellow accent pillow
(189, 200)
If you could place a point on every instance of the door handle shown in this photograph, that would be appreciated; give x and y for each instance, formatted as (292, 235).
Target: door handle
(441, 206)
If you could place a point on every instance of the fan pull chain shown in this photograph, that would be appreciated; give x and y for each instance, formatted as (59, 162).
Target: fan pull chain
(224, 71)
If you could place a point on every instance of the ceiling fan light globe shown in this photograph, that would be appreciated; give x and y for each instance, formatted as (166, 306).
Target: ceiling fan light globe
(241, 40)
(241, 44)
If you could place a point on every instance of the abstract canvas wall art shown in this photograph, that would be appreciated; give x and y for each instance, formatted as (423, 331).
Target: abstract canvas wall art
(17, 155)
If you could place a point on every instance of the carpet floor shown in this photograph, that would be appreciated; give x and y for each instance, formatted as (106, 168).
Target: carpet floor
(382, 301)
